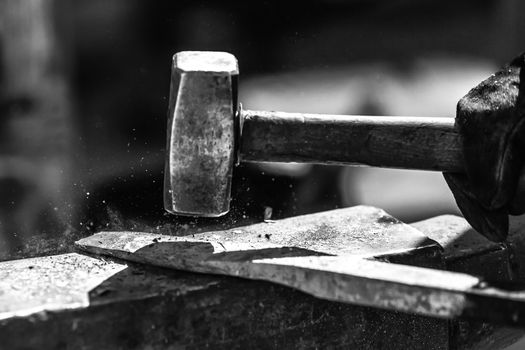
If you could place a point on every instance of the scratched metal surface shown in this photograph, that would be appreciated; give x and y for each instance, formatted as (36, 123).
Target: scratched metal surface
(154, 308)
(359, 230)
(64, 281)
(90, 302)
(142, 297)
(344, 276)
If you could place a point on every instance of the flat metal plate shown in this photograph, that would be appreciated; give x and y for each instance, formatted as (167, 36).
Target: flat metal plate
(319, 263)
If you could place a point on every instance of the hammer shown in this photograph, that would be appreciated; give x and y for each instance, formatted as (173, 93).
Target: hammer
(209, 132)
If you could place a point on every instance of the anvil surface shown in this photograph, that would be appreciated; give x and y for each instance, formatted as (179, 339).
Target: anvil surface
(75, 300)
(327, 261)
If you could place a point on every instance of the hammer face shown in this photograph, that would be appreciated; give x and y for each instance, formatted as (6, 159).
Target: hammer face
(201, 131)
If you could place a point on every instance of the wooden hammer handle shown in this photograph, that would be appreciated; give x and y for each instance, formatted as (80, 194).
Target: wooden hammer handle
(393, 142)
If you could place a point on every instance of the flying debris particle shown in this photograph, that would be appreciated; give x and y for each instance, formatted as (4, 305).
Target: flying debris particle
(268, 215)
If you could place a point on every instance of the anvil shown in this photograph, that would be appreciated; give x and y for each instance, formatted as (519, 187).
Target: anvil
(332, 255)
(360, 255)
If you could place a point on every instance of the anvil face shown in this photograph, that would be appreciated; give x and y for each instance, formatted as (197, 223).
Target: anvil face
(331, 256)
(321, 254)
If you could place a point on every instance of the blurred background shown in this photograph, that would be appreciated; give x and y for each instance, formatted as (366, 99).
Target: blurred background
(84, 86)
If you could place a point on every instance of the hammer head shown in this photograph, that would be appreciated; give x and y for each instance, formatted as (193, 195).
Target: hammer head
(201, 133)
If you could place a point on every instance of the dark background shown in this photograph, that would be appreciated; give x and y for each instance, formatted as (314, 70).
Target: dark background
(84, 86)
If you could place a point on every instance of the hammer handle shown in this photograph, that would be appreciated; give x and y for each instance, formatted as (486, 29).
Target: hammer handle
(392, 142)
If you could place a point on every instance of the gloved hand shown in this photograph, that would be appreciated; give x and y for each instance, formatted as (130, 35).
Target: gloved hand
(491, 122)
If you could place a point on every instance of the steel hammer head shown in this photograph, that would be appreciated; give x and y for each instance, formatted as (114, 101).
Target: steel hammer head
(201, 133)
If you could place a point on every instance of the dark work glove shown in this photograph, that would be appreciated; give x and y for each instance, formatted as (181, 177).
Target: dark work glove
(491, 122)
